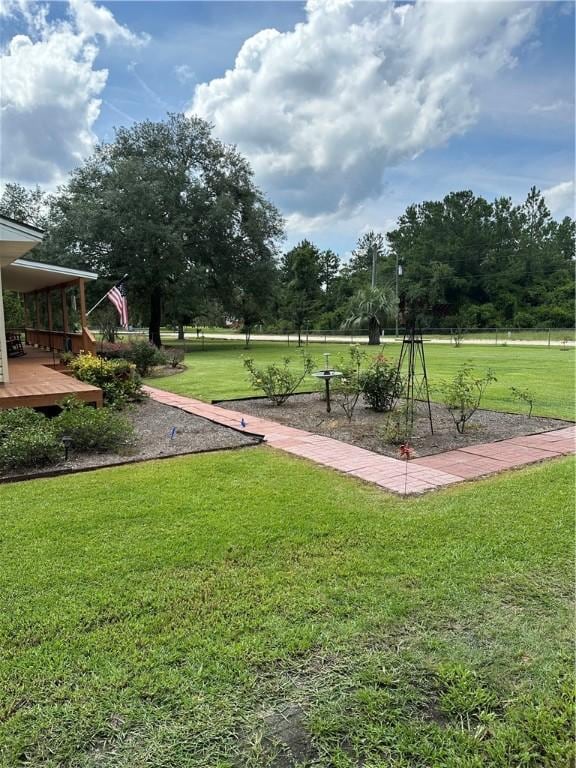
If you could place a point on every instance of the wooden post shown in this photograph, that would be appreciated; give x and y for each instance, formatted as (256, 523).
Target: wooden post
(82, 302)
(37, 302)
(64, 310)
(49, 308)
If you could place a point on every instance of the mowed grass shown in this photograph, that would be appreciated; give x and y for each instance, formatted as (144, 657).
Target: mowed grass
(250, 609)
(217, 371)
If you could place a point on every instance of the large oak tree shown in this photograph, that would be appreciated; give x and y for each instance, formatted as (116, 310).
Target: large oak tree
(163, 202)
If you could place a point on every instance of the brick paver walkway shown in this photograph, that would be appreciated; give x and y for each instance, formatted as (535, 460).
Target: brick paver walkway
(416, 476)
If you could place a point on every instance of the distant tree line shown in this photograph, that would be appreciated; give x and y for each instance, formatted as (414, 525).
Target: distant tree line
(178, 211)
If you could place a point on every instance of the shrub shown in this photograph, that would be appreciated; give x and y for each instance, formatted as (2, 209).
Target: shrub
(381, 385)
(116, 378)
(92, 429)
(174, 356)
(20, 419)
(523, 396)
(66, 358)
(397, 427)
(462, 394)
(27, 439)
(278, 382)
(348, 387)
(145, 356)
(114, 350)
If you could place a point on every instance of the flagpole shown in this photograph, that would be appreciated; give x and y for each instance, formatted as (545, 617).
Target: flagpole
(106, 294)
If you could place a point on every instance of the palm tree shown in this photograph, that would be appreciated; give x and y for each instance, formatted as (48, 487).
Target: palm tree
(373, 306)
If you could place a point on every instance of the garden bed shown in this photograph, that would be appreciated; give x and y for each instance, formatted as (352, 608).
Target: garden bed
(153, 423)
(308, 412)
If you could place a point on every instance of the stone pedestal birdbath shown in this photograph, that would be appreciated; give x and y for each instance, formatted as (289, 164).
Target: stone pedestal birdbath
(327, 375)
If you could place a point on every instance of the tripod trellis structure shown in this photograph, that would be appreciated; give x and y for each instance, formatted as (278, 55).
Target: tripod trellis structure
(413, 350)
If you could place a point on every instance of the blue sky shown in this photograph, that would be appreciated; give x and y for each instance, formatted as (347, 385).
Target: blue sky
(348, 113)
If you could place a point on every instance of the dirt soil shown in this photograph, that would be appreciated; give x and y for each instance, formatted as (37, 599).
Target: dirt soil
(153, 423)
(366, 429)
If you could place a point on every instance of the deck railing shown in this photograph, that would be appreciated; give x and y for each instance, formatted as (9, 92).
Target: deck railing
(60, 341)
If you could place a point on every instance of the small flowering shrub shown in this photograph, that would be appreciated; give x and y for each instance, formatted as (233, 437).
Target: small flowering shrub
(348, 387)
(381, 384)
(463, 394)
(27, 439)
(117, 379)
(92, 429)
(278, 381)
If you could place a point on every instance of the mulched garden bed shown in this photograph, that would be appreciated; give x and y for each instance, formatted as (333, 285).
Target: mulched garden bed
(153, 423)
(308, 412)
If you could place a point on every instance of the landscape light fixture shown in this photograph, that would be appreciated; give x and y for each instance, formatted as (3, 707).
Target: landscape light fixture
(66, 442)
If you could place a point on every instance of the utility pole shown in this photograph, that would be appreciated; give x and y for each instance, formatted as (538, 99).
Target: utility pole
(374, 254)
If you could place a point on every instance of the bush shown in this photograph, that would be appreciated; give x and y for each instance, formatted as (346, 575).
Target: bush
(27, 439)
(525, 396)
(174, 356)
(19, 419)
(463, 394)
(348, 387)
(114, 350)
(92, 429)
(381, 385)
(396, 430)
(278, 382)
(116, 378)
(66, 358)
(145, 356)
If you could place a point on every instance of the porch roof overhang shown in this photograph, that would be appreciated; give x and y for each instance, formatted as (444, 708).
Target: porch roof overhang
(16, 239)
(25, 276)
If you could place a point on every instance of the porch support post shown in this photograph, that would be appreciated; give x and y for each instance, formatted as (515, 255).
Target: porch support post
(49, 308)
(82, 302)
(4, 377)
(26, 313)
(37, 303)
(64, 309)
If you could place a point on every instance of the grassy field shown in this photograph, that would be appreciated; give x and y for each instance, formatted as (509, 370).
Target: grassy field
(199, 612)
(215, 370)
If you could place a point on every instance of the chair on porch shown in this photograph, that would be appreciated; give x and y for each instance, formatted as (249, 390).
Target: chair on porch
(14, 346)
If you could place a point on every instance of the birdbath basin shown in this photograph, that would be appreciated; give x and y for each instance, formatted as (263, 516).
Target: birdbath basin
(327, 375)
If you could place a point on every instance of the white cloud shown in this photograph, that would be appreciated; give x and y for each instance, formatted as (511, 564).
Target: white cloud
(556, 106)
(323, 110)
(51, 90)
(92, 20)
(560, 199)
(184, 73)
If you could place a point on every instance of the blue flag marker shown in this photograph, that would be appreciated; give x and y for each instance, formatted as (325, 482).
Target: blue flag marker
(172, 433)
(242, 423)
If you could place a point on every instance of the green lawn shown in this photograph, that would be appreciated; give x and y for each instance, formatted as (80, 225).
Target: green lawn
(193, 612)
(217, 371)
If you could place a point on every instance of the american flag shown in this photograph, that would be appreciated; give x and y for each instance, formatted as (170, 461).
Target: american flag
(117, 296)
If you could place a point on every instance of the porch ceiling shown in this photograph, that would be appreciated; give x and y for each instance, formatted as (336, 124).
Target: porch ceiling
(25, 276)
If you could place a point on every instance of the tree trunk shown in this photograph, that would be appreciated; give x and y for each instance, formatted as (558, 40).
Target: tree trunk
(155, 316)
(180, 332)
(247, 334)
(373, 331)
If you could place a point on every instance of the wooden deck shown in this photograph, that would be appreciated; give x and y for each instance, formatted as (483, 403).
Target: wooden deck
(34, 383)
